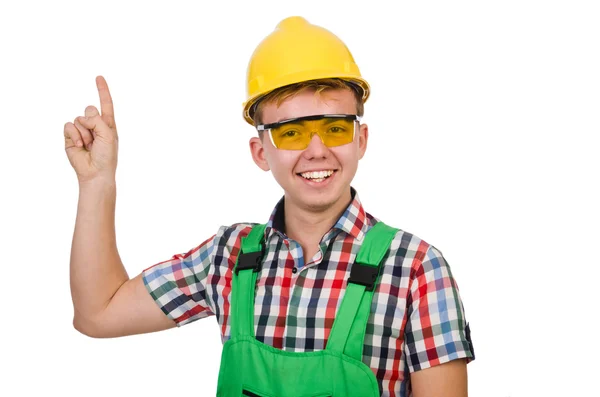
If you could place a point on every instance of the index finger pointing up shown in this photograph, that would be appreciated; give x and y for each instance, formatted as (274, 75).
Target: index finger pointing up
(106, 104)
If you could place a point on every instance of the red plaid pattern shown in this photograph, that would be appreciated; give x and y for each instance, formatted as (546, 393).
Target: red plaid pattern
(417, 317)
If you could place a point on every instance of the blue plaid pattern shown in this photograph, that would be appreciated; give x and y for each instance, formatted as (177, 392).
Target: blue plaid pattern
(417, 318)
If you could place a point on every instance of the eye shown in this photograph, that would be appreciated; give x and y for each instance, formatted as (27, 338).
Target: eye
(336, 129)
(289, 134)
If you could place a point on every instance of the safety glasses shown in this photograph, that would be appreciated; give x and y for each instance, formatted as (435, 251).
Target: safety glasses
(296, 134)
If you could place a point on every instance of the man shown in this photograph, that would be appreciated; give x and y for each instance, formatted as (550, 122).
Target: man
(323, 299)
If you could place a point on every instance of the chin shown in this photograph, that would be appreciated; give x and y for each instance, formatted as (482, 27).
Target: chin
(317, 201)
(315, 196)
(318, 204)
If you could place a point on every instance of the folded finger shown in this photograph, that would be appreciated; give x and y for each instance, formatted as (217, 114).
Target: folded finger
(72, 136)
(86, 134)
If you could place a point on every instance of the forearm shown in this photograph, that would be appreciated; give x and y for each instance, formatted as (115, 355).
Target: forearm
(96, 269)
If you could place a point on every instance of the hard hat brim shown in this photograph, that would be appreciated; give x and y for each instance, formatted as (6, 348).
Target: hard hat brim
(288, 80)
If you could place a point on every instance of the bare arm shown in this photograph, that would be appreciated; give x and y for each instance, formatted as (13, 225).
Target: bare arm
(447, 380)
(106, 302)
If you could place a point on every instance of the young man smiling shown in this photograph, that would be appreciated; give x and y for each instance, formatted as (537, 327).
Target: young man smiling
(316, 179)
(323, 291)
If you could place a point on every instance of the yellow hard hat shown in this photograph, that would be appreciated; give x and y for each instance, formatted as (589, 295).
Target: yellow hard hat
(298, 51)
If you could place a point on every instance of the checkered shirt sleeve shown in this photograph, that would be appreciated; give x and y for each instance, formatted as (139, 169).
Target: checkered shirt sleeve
(436, 328)
(178, 285)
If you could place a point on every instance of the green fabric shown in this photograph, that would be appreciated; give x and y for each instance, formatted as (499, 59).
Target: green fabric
(252, 368)
(242, 309)
(376, 244)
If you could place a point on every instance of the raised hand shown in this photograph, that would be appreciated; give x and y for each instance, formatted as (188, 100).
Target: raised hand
(91, 141)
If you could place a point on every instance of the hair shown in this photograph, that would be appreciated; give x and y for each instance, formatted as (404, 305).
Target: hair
(281, 94)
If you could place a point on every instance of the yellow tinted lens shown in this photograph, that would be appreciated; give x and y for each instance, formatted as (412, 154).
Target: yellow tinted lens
(336, 131)
(297, 135)
(290, 136)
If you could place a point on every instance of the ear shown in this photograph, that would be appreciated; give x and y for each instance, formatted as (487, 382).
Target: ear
(258, 153)
(363, 137)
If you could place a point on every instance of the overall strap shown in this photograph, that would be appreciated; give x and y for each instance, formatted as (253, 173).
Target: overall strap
(348, 332)
(243, 284)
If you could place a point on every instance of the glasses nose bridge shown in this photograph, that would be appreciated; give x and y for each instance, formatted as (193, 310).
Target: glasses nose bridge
(315, 131)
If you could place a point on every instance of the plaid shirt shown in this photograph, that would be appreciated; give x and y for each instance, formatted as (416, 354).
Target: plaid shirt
(417, 318)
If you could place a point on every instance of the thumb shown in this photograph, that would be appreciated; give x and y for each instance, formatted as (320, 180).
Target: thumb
(91, 111)
(98, 127)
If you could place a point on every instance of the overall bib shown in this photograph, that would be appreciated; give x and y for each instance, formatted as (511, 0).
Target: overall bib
(252, 368)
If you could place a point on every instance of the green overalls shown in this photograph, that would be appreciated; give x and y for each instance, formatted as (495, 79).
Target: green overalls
(252, 368)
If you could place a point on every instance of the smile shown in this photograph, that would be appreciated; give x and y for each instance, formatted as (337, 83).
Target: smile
(317, 176)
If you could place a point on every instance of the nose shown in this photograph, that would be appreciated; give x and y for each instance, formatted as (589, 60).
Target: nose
(316, 147)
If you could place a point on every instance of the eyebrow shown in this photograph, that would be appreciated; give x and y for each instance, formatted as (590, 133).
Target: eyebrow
(297, 120)
(333, 120)
(328, 120)
(283, 122)
(296, 123)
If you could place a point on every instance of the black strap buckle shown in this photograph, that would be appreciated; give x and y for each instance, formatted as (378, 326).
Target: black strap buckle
(250, 260)
(364, 275)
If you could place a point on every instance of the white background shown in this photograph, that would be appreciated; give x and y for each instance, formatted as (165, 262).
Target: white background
(484, 118)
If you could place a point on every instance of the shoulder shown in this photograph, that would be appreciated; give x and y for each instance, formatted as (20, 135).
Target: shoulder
(229, 237)
(228, 234)
(408, 249)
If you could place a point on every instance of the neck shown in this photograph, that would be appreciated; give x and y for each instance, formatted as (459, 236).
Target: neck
(308, 225)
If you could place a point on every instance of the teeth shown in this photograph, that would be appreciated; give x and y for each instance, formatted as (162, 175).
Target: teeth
(317, 175)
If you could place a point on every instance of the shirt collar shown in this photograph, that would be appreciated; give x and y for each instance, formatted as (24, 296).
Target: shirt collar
(353, 221)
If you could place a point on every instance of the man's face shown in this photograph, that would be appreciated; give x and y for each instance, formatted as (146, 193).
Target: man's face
(288, 165)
